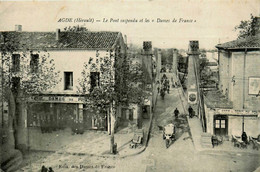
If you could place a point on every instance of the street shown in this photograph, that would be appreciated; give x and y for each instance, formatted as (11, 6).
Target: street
(180, 156)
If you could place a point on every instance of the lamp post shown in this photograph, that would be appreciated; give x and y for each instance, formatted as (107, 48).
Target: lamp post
(243, 124)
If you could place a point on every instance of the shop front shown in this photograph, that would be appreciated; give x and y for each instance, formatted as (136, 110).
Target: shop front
(52, 116)
(235, 122)
(59, 112)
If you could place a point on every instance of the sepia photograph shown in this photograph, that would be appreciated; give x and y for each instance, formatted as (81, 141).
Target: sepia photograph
(130, 86)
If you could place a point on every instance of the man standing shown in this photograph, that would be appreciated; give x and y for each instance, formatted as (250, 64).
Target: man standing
(176, 113)
(158, 86)
(190, 111)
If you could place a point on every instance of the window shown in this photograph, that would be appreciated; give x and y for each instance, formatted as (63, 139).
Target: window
(94, 77)
(68, 80)
(16, 62)
(34, 63)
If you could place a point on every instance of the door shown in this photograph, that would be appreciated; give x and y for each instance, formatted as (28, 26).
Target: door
(220, 125)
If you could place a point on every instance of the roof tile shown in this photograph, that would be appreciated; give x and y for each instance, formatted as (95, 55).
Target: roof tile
(85, 40)
(249, 42)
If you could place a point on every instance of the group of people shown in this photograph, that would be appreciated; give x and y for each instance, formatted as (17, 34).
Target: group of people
(44, 169)
(164, 86)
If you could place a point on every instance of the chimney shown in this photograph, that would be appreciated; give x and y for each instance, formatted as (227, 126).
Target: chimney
(256, 26)
(18, 28)
(57, 34)
(147, 47)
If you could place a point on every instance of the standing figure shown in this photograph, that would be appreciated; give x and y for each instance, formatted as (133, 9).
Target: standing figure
(176, 113)
(158, 86)
(168, 86)
(244, 137)
(190, 112)
(50, 169)
(44, 169)
(162, 93)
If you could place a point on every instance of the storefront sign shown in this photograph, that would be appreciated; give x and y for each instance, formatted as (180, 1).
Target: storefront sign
(192, 97)
(237, 112)
(57, 99)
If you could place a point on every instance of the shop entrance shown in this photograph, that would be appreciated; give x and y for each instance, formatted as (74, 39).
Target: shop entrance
(221, 125)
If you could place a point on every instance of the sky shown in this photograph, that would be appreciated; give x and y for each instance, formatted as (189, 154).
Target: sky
(215, 19)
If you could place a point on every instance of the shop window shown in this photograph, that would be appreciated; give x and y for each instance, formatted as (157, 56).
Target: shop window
(217, 124)
(16, 62)
(223, 123)
(68, 80)
(94, 77)
(34, 63)
(220, 124)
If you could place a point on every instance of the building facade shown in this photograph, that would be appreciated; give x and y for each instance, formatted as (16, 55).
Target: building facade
(239, 83)
(62, 105)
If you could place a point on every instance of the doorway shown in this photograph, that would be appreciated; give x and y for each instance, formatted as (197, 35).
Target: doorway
(220, 125)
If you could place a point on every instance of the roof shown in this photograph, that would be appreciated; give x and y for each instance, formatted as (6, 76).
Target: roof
(67, 40)
(214, 99)
(250, 42)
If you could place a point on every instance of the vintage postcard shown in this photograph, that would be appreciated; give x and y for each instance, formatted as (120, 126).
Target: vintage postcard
(130, 86)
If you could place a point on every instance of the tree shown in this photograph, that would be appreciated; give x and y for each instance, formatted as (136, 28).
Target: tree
(25, 73)
(205, 72)
(119, 82)
(246, 28)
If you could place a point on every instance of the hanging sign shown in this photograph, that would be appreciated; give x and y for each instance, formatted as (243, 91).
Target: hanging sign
(192, 97)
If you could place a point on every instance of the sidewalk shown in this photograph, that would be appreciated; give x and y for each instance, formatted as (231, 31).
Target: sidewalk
(101, 146)
(226, 147)
(93, 143)
(197, 132)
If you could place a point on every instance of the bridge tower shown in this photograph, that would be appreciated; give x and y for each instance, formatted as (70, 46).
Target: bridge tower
(193, 76)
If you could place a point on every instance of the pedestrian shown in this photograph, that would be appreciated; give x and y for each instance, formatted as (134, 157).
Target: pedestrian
(214, 140)
(190, 111)
(176, 113)
(162, 93)
(50, 169)
(168, 86)
(44, 169)
(244, 137)
(158, 86)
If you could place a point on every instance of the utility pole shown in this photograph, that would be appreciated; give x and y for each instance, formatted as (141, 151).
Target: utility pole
(243, 124)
